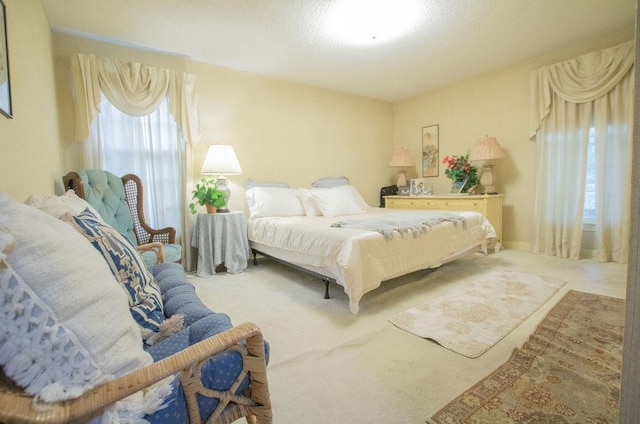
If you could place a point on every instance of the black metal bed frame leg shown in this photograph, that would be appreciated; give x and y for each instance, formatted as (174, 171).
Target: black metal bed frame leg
(324, 278)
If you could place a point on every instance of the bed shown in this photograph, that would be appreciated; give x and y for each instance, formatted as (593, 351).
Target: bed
(333, 233)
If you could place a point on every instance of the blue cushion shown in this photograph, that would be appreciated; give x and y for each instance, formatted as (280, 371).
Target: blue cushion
(143, 292)
(219, 372)
(179, 296)
(172, 253)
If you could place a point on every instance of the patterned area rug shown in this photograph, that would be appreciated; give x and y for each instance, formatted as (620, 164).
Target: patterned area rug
(470, 320)
(567, 372)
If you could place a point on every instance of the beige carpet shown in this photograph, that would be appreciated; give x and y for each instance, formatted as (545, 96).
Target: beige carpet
(567, 372)
(330, 366)
(470, 320)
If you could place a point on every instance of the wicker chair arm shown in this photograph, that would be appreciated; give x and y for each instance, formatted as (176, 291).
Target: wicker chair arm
(18, 407)
(156, 247)
(166, 235)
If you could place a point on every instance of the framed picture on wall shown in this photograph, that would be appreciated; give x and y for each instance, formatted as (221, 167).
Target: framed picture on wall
(5, 82)
(430, 147)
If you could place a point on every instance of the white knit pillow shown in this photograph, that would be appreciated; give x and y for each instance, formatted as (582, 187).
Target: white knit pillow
(59, 205)
(65, 324)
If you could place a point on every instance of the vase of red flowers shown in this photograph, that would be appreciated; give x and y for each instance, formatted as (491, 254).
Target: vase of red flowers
(460, 169)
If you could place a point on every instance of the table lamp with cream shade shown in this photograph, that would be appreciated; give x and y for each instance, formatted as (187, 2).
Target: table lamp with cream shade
(487, 149)
(221, 160)
(402, 159)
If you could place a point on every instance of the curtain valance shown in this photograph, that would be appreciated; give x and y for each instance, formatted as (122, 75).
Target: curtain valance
(578, 80)
(134, 89)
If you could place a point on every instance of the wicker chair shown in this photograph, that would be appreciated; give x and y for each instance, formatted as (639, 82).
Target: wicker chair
(109, 194)
(18, 407)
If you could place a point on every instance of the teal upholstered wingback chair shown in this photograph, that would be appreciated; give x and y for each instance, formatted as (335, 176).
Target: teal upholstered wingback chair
(119, 203)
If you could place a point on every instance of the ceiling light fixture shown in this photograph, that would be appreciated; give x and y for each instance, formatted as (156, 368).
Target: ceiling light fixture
(368, 21)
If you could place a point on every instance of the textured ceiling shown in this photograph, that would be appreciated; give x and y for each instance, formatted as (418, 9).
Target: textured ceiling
(294, 40)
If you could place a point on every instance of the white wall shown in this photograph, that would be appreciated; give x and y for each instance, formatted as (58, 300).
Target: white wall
(495, 104)
(30, 155)
(280, 130)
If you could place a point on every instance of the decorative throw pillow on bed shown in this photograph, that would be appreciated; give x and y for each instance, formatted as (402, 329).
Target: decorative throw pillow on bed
(274, 201)
(328, 182)
(249, 184)
(337, 201)
(64, 320)
(127, 266)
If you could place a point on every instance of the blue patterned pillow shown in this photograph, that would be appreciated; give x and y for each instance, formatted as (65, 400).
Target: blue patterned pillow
(143, 292)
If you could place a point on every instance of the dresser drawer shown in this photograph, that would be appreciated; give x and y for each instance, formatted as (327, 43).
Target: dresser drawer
(465, 205)
(402, 204)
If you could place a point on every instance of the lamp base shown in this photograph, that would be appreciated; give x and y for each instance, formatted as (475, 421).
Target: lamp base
(222, 185)
(402, 179)
(487, 180)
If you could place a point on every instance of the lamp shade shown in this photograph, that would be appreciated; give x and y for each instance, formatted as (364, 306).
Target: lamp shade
(402, 159)
(486, 148)
(221, 159)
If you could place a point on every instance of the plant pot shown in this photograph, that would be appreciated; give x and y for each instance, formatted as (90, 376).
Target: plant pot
(211, 208)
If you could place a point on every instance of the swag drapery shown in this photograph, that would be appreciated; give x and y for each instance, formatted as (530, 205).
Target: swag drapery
(593, 92)
(138, 90)
(135, 90)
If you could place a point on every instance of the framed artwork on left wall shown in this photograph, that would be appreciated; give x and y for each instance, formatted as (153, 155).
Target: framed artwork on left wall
(5, 81)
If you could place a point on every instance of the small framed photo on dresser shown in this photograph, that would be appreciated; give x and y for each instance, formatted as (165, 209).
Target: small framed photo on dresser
(403, 190)
(457, 186)
(417, 187)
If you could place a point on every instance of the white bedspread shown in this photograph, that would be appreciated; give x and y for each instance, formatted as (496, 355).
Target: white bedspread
(359, 260)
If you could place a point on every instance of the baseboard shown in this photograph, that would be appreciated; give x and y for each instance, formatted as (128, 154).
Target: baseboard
(517, 245)
(588, 254)
(526, 247)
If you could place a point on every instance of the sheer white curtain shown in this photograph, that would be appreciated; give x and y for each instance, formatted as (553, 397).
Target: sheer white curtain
(568, 99)
(149, 146)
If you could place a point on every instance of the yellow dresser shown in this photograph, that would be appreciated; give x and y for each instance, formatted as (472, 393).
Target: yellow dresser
(489, 205)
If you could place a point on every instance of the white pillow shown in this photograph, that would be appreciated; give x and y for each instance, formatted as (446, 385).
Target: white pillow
(65, 325)
(59, 205)
(358, 198)
(337, 201)
(309, 203)
(274, 201)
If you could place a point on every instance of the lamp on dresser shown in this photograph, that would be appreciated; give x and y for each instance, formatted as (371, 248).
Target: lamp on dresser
(487, 149)
(221, 160)
(402, 159)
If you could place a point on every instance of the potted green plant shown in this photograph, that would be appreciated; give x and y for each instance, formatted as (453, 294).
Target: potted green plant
(460, 169)
(207, 193)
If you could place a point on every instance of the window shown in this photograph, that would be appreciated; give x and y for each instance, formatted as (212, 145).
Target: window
(589, 209)
(148, 146)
